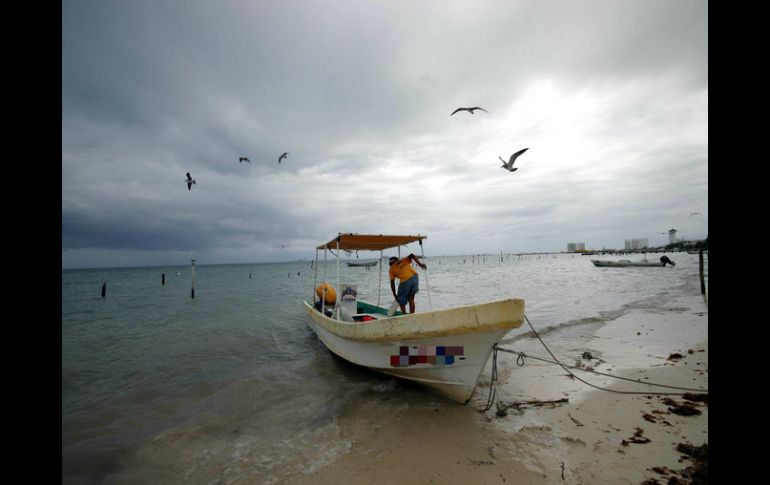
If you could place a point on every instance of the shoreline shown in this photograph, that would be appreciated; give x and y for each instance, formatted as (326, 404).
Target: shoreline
(595, 437)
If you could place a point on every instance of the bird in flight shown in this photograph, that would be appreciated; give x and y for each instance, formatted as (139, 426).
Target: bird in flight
(190, 181)
(695, 214)
(469, 110)
(243, 159)
(282, 156)
(509, 164)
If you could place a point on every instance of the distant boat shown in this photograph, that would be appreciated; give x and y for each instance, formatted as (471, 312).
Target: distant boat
(362, 263)
(623, 263)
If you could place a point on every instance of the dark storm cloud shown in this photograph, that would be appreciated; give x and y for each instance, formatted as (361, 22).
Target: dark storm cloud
(80, 231)
(360, 94)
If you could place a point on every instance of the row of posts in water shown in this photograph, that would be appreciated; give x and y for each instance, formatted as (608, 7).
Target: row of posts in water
(163, 281)
(481, 258)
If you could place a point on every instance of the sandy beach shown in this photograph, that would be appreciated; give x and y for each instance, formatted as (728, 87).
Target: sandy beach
(586, 436)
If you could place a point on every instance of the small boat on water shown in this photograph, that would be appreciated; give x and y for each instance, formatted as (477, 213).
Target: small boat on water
(445, 350)
(623, 263)
(367, 264)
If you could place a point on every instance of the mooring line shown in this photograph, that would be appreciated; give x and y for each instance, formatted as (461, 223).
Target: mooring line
(520, 361)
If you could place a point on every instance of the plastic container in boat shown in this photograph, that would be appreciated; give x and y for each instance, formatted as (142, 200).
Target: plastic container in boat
(393, 308)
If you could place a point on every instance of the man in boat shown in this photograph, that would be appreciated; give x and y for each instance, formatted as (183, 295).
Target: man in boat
(408, 283)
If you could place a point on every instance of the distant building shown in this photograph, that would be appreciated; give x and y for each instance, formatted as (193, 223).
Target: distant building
(672, 236)
(573, 247)
(640, 243)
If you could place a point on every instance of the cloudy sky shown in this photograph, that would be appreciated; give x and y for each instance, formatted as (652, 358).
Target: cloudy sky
(610, 97)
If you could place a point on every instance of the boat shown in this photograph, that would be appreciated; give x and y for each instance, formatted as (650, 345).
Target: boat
(444, 350)
(367, 264)
(623, 263)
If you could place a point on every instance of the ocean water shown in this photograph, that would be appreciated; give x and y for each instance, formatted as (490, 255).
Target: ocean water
(233, 386)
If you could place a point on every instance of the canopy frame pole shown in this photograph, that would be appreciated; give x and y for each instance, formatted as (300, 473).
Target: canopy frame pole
(427, 286)
(339, 285)
(379, 280)
(323, 296)
(315, 276)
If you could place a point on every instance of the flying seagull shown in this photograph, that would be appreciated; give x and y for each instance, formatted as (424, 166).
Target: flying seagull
(469, 109)
(282, 156)
(509, 164)
(243, 159)
(190, 181)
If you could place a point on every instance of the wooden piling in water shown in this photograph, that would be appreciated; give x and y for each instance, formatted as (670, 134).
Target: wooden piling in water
(104, 289)
(702, 280)
(163, 279)
(192, 266)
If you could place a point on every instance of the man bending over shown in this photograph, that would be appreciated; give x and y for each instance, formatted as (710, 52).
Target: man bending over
(408, 283)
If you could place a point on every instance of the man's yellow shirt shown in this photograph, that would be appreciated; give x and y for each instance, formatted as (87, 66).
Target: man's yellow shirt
(401, 269)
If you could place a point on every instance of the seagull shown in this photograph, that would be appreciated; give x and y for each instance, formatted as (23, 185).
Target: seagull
(469, 109)
(243, 159)
(190, 181)
(509, 164)
(282, 156)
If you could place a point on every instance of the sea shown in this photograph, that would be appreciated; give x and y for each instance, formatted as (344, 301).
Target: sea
(232, 386)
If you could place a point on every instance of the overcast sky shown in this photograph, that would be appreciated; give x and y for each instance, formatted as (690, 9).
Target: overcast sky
(610, 97)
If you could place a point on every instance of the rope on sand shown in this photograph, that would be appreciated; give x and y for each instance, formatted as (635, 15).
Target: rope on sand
(520, 361)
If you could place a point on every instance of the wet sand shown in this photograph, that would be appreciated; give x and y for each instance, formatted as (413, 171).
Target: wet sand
(595, 437)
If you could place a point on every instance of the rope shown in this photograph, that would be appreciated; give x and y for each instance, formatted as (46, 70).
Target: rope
(493, 381)
(520, 361)
(617, 377)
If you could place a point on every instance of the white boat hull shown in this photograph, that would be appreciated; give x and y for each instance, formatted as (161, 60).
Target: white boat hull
(445, 350)
(624, 263)
(366, 264)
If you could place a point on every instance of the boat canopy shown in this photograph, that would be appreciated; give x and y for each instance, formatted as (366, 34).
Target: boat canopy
(370, 242)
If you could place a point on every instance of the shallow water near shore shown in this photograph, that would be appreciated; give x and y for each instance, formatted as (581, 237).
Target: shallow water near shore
(233, 387)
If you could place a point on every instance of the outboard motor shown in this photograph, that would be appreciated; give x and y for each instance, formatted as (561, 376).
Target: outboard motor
(664, 260)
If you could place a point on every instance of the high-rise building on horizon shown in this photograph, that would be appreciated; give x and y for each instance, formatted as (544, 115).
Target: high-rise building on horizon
(639, 243)
(572, 247)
